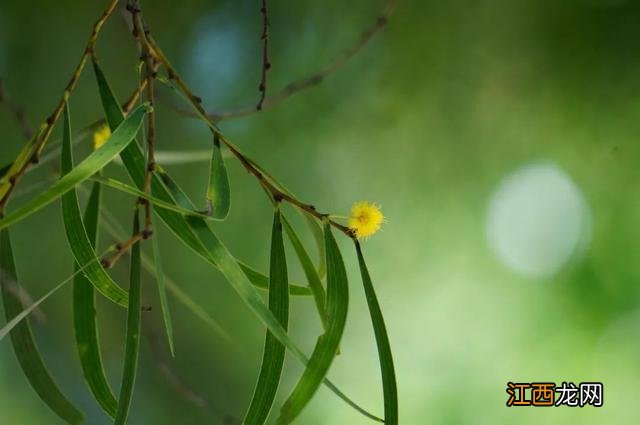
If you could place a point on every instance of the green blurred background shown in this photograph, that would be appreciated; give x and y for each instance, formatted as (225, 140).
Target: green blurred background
(500, 139)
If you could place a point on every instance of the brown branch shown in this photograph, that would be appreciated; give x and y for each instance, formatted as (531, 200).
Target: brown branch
(16, 111)
(34, 148)
(266, 64)
(141, 33)
(316, 78)
(196, 103)
(121, 249)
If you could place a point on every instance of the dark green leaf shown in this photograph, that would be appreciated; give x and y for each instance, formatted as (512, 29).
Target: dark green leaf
(79, 242)
(132, 345)
(218, 192)
(273, 356)
(121, 137)
(310, 272)
(195, 233)
(23, 343)
(111, 226)
(387, 371)
(85, 320)
(327, 344)
(200, 228)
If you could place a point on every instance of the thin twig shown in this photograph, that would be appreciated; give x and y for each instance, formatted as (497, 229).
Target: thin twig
(317, 77)
(17, 112)
(31, 152)
(141, 33)
(266, 64)
(121, 248)
(196, 103)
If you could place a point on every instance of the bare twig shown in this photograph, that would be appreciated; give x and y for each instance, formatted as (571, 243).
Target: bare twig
(266, 64)
(141, 33)
(316, 78)
(121, 249)
(31, 152)
(196, 103)
(17, 112)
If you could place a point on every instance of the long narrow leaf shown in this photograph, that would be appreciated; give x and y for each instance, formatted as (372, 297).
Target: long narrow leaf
(327, 345)
(310, 272)
(79, 242)
(387, 370)
(201, 230)
(132, 345)
(209, 247)
(273, 356)
(123, 187)
(162, 293)
(218, 192)
(23, 343)
(18, 318)
(316, 231)
(111, 226)
(121, 137)
(85, 320)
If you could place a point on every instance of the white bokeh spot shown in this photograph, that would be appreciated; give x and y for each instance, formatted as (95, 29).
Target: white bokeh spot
(537, 220)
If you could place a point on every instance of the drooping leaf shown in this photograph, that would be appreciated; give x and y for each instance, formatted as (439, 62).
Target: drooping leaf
(200, 228)
(327, 344)
(18, 318)
(79, 242)
(162, 294)
(202, 239)
(111, 226)
(121, 137)
(24, 345)
(218, 192)
(132, 344)
(316, 231)
(387, 370)
(273, 355)
(85, 319)
(310, 272)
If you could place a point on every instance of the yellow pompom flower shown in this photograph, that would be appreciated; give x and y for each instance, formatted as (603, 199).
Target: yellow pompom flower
(366, 219)
(100, 136)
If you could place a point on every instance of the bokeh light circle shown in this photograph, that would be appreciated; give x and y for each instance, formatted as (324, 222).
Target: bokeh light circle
(537, 220)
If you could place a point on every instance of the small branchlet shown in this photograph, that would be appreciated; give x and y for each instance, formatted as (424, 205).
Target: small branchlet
(266, 63)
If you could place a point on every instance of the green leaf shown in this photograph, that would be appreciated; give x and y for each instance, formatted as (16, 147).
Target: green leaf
(85, 320)
(273, 356)
(79, 242)
(162, 293)
(218, 192)
(195, 233)
(121, 137)
(310, 272)
(132, 345)
(327, 344)
(23, 343)
(123, 187)
(111, 226)
(18, 318)
(387, 370)
(316, 231)
(184, 157)
(200, 228)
